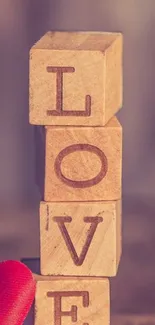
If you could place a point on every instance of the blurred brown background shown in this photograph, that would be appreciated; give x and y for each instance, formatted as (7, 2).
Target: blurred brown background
(21, 24)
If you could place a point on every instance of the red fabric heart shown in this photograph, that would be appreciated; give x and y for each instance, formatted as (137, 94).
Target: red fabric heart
(17, 291)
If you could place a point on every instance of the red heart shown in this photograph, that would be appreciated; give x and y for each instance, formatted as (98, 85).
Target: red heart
(17, 291)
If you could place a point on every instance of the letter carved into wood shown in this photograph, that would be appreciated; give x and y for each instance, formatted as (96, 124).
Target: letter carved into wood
(81, 147)
(78, 260)
(58, 313)
(59, 95)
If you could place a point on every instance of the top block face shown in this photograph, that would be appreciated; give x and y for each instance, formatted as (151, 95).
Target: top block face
(75, 78)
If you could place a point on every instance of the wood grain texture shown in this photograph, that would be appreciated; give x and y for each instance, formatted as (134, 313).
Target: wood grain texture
(75, 78)
(62, 301)
(83, 164)
(80, 239)
(133, 319)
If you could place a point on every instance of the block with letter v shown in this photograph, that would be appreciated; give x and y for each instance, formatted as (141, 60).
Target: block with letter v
(83, 239)
(93, 225)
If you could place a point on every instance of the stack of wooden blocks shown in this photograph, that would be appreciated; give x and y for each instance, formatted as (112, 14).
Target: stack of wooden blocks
(75, 91)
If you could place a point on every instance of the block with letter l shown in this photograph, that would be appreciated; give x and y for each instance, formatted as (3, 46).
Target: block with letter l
(83, 164)
(66, 300)
(75, 78)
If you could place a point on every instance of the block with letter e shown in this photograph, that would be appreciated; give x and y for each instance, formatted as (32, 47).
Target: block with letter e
(62, 301)
(75, 78)
(83, 164)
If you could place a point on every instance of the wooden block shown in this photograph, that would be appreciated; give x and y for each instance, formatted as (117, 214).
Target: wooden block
(80, 239)
(68, 300)
(75, 78)
(83, 164)
(135, 319)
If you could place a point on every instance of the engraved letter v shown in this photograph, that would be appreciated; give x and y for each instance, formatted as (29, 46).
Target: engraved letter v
(78, 260)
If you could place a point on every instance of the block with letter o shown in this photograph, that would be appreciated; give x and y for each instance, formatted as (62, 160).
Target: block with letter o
(83, 164)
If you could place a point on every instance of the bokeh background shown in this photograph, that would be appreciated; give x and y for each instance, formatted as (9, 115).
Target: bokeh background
(21, 24)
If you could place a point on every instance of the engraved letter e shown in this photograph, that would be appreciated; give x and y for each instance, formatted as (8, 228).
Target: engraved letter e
(58, 313)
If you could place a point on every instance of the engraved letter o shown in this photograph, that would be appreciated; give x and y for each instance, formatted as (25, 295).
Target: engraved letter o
(81, 147)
